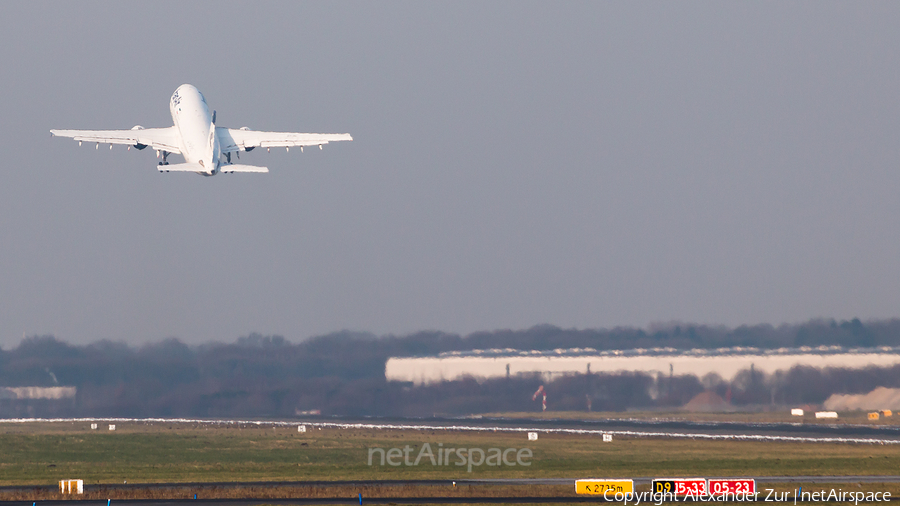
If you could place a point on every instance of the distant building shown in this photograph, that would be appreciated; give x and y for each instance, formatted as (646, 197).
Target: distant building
(708, 402)
(38, 392)
(880, 399)
(725, 362)
(36, 401)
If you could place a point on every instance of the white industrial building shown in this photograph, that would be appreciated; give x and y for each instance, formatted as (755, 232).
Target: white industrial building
(725, 362)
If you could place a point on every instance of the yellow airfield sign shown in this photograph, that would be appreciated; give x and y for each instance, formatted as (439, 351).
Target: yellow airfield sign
(601, 487)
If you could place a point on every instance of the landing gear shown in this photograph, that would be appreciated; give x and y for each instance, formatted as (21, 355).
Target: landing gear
(228, 156)
(165, 155)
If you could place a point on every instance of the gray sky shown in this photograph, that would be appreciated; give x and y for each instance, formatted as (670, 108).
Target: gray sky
(581, 164)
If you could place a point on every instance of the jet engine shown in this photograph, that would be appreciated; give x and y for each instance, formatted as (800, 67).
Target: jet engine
(138, 145)
(250, 148)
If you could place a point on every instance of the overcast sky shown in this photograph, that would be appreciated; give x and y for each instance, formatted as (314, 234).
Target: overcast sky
(587, 164)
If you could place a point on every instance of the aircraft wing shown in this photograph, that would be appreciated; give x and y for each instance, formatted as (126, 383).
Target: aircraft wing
(165, 139)
(242, 139)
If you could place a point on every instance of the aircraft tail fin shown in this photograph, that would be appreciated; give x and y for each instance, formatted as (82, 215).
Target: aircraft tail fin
(181, 167)
(196, 167)
(225, 169)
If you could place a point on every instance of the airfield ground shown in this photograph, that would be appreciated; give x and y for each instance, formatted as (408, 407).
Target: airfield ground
(774, 416)
(34, 456)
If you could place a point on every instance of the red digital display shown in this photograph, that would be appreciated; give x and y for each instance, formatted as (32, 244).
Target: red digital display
(732, 486)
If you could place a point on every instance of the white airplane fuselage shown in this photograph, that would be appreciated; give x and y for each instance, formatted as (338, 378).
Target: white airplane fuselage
(194, 122)
(207, 149)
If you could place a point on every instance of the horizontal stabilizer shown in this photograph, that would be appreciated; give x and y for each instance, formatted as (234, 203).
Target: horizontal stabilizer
(181, 167)
(225, 169)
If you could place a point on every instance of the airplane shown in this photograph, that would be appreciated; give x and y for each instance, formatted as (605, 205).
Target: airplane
(196, 137)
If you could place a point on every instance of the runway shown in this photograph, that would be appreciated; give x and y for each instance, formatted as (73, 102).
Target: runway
(350, 500)
(760, 480)
(359, 499)
(782, 432)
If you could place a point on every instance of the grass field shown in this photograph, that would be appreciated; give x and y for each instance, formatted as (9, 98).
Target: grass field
(43, 453)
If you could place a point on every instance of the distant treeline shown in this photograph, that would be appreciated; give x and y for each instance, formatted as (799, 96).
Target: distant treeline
(343, 373)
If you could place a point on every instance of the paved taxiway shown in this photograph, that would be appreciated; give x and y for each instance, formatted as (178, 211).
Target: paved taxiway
(660, 428)
(785, 432)
(365, 500)
(200, 486)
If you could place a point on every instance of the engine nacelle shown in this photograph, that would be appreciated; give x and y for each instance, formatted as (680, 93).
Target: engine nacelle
(138, 145)
(250, 148)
